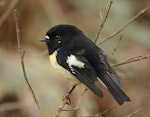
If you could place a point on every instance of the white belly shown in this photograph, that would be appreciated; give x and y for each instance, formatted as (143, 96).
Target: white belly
(65, 72)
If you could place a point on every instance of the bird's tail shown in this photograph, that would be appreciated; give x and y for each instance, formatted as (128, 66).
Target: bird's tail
(113, 87)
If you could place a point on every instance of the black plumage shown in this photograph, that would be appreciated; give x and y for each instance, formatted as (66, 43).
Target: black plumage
(83, 59)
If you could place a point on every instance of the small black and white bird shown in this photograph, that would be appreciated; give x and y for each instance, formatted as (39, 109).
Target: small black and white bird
(76, 56)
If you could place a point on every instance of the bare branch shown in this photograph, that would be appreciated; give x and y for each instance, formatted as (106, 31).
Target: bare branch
(102, 24)
(63, 103)
(115, 49)
(133, 113)
(22, 54)
(78, 103)
(108, 110)
(131, 60)
(125, 25)
(100, 114)
(101, 20)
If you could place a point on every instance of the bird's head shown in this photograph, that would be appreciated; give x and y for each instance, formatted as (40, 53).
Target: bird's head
(60, 36)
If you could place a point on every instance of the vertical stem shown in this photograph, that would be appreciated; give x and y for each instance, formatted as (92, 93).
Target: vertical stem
(22, 54)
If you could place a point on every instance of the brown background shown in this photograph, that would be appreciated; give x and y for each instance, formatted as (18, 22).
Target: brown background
(35, 18)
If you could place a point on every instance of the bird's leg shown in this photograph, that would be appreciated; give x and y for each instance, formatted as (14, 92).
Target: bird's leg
(67, 97)
(78, 103)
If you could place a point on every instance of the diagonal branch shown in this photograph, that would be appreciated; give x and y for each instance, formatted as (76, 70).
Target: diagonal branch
(102, 24)
(115, 49)
(63, 103)
(102, 113)
(131, 60)
(78, 103)
(133, 113)
(22, 54)
(125, 25)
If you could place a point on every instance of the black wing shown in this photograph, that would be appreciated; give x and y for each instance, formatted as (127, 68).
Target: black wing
(111, 80)
(108, 68)
(86, 74)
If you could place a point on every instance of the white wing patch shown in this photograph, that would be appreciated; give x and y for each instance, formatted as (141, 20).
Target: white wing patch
(73, 61)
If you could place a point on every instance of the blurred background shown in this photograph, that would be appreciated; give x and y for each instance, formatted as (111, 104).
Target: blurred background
(35, 18)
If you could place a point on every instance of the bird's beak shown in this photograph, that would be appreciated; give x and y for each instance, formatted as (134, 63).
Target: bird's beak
(43, 40)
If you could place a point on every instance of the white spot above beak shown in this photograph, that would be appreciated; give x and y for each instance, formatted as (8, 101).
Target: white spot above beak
(46, 37)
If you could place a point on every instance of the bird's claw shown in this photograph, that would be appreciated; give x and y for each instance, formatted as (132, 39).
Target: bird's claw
(67, 99)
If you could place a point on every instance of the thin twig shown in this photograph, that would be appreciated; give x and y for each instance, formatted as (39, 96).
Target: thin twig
(125, 25)
(78, 103)
(115, 49)
(63, 103)
(102, 113)
(8, 11)
(22, 54)
(133, 113)
(131, 60)
(101, 20)
(108, 110)
(102, 24)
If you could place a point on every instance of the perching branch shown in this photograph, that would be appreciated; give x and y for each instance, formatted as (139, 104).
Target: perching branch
(22, 54)
(63, 103)
(78, 103)
(131, 60)
(124, 26)
(102, 24)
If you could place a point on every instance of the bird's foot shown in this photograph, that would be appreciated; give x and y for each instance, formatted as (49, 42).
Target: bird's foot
(67, 99)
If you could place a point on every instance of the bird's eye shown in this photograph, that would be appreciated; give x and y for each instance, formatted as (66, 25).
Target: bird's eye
(58, 39)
